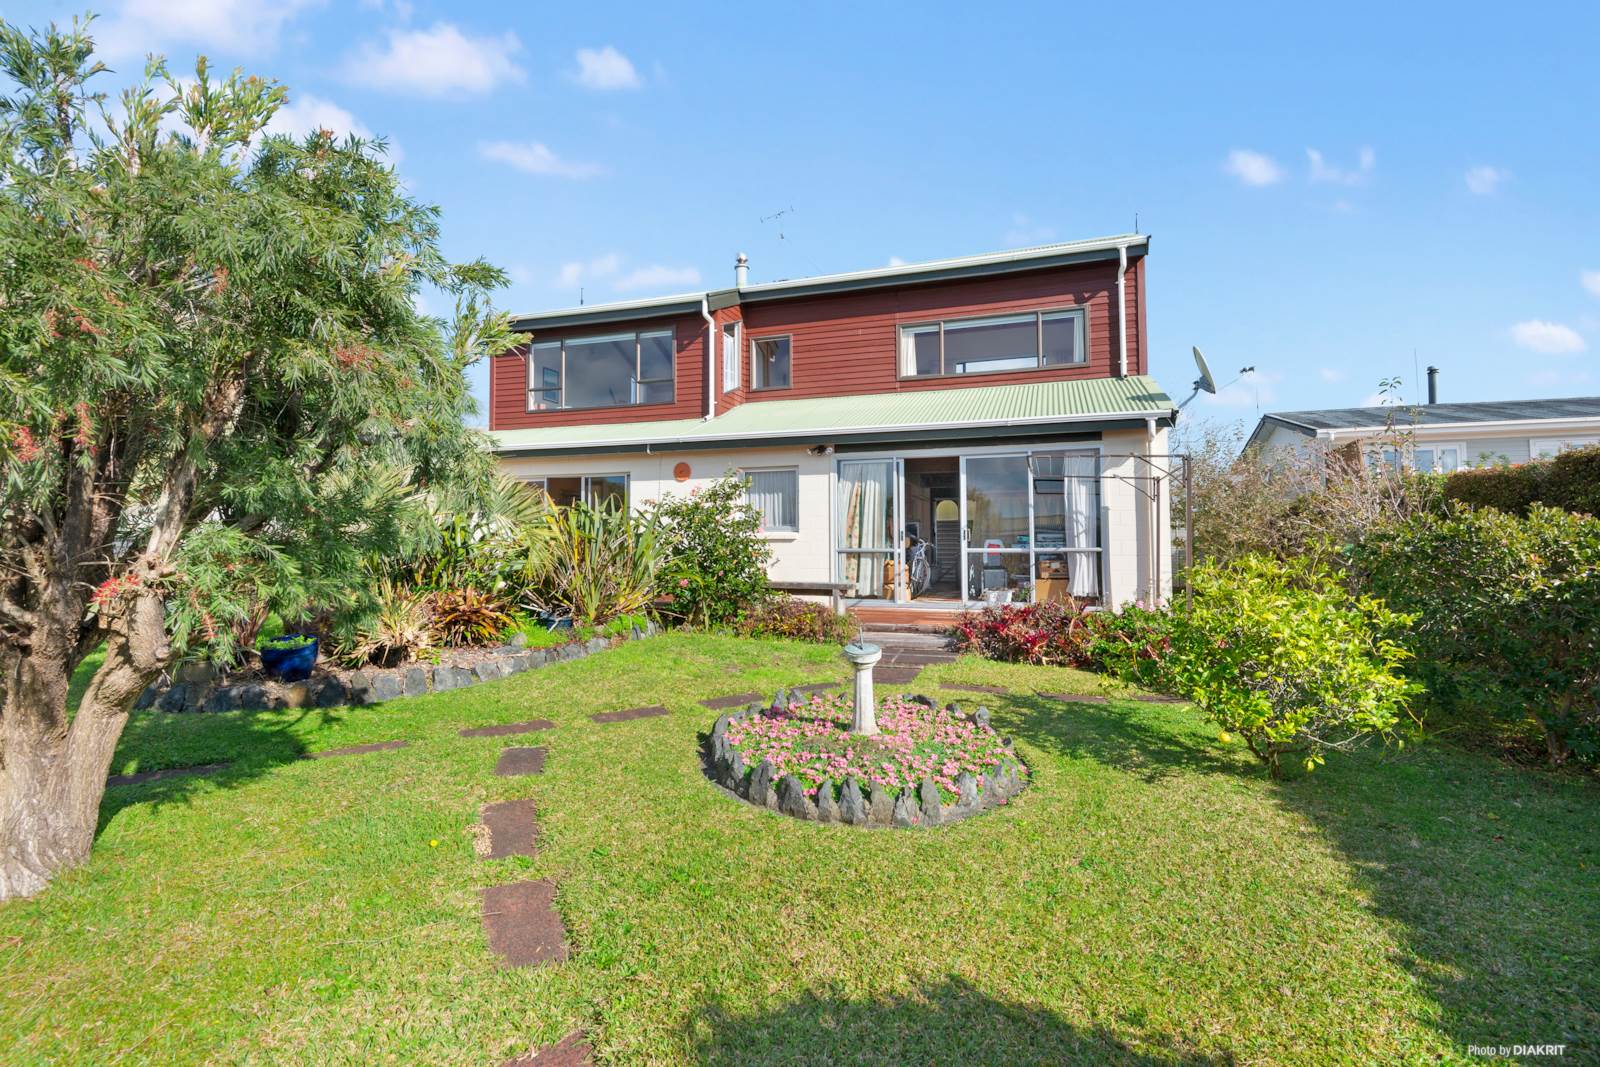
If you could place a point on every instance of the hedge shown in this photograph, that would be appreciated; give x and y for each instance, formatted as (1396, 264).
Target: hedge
(1570, 481)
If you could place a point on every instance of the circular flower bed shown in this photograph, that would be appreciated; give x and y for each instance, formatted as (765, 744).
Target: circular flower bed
(926, 766)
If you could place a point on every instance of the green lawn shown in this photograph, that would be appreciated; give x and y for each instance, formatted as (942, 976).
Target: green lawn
(1152, 898)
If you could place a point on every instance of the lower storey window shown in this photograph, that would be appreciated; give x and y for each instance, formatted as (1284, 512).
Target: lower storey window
(596, 490)
(775, 495)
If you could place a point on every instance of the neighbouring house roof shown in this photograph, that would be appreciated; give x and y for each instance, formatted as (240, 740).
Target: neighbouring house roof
(1486, 415)
(1018, 259)
(991, 411)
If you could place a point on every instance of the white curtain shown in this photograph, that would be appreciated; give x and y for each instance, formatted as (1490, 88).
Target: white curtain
(866, 493)
(1082, 473)
(772, 493)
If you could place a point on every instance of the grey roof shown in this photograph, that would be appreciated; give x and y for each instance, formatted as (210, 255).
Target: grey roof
(1310, 422)
(938, 270)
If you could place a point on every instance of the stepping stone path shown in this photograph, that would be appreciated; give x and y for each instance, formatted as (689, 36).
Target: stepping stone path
(507, 728)
(974, 688)
(630, 713)
(570, 1051)
(737, 700)
(172, 772)
(1076, 698)
(515, 762)
(522, 924)
(356, 750)
(896, 675)
(512, 829)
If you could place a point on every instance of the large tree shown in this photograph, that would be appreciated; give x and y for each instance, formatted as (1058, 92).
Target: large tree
(219, 396)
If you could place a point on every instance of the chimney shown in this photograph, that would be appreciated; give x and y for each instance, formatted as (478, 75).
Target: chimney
(1433, 385)
(741, 271)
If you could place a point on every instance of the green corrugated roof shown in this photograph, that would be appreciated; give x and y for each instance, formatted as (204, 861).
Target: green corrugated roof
(1044, 403)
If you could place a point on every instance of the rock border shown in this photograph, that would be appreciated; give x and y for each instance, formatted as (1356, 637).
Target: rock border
(191, 688)
(857, 803)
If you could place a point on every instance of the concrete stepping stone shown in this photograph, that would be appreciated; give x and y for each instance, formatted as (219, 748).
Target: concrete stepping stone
(513, 830)
(515, 762)
(506, 728)
(140, 777)
(737, 700)
(357, 750)
(570, 1051)
(974, 688)
(1076, 698)
(895, 675)
(522, 925)
(630, 713)
(1157, 698)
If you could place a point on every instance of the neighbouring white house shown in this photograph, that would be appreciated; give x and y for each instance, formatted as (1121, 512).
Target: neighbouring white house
(1434, 436)
(989, 416)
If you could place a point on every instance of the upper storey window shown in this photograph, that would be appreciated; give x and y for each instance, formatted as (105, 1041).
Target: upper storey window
(770, 363)
(601, 372)
(1027, 341)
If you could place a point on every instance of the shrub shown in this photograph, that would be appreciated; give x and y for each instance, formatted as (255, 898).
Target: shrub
(1283, 655)
(467, 617)
(399, 628)
(1044, 633)
(602, 562)
(1130, 643)
(1570, 481)
(716, 559)
(802, 620)
(1508, 614)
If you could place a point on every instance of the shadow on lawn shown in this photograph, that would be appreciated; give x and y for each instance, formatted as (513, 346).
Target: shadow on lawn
(250, 743)
(951, 1023)
(1137, 738)
(1486, 868)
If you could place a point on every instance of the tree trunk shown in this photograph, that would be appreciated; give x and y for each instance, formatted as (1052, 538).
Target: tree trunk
(52, 769)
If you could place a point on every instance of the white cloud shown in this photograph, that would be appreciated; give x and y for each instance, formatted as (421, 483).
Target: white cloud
(1024, 231)
(1485, 180)
(606, 68)
(242, 26)
(1551, 338)
(896, 261)
(440, 61)
(608, 270)
(1252, 390)
(1253, 168)
(657, 276)
(1323, 171)
(534, 158)
(1381, 400)
(1590, 280)
(1560, 378)
(1331, 374)
(579, 271)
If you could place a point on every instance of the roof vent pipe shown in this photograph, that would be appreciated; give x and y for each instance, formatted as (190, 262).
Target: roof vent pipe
(1433, 385)
(741, 271)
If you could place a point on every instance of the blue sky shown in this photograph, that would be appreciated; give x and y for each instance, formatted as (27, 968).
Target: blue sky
(1336, 196)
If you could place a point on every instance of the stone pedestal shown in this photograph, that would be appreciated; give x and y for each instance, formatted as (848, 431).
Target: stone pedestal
(862, 657)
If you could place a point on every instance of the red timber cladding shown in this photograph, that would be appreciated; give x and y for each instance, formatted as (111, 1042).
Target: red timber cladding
(847, 343)
(508, 380)
(729, 399)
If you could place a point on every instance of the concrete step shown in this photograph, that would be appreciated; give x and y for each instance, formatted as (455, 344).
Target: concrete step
(895, 639)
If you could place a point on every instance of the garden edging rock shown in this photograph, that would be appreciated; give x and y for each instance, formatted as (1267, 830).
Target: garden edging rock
(188, 688)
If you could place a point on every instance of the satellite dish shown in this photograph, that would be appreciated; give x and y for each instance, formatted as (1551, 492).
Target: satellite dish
(1205, 382)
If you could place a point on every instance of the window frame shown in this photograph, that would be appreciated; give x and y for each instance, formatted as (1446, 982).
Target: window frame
(1562, 444)
(905, 356)
(755, 363)
(732, 360)
(744, 474)
(671, 332)
(1406, 456)
(584, 480)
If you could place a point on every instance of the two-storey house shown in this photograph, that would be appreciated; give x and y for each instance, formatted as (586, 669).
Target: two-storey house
(935, 434)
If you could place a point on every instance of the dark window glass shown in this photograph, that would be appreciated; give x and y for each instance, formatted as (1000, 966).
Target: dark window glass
(991, 345)
(608, 489)
(925, 350)
(1061, 339)
(772, 363)
(600, 372)
(655, 357)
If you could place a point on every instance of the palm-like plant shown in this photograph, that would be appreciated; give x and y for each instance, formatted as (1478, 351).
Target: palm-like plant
(601, 562)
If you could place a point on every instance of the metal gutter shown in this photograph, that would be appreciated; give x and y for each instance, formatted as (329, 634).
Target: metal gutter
(1498, 424)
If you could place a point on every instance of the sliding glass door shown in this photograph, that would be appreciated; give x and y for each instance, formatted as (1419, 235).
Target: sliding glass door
(868, 515)
(998, 534)
(1031, 526)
